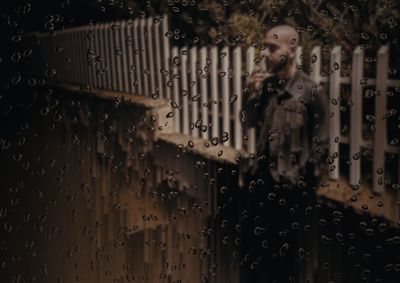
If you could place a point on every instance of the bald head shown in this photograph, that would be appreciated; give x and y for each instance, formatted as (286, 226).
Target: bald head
(284, 34)
(280, 49)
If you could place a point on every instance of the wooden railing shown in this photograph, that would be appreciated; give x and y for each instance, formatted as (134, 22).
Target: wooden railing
(204, 85)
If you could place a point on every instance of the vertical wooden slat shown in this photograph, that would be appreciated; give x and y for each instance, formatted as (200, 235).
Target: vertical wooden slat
(204, 91)
(184, 90)
(214, 91)
(130, 52)
(124, 57)
(356, 115)
(251, 133)
(137, 54)
(118, 56)
(334, 122)
(380, 135)
(107, 55)
(96, 48)
(90, 49)
(157, 51)
(101, 38)
(175, 78)
(315, 64)
(194, 91)
(237, 91)
(299, 57)
(150, 54)
(78, 60)
(113, 58)
(166, 58)
(144, 53)
(84, 66)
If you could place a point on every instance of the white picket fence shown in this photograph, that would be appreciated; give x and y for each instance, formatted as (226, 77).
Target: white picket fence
(205, 84)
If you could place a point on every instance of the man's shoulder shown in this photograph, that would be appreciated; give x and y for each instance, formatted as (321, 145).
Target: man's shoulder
(305, 78)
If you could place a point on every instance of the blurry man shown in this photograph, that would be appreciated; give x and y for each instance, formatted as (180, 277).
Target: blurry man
(290, 113)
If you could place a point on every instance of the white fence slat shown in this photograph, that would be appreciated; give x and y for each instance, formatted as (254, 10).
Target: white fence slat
(214, 91)
(157, 51)
(130, 52)
(97, 68)
(194, 113)
(380, 135)
(82, 57)
(237, 90)
(113, 47)
(78, 58)
(137, 54)
(144, 53)
(204, 91)
(356, 115)
(107, 56)
(102, 53)
(334, 122)
(299, 57)
(175, 79)
(166, 54)
(125, 56)
(315, 64)
(184, 90)
(89, 55)
(251, 133)
(118, 56)
(226, 119)
(151, 53)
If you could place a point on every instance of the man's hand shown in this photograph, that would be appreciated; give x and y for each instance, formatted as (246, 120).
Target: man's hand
(255, 80)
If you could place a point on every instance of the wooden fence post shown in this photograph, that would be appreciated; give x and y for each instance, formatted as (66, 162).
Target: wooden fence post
(334, 108)
(355, 140)
(380, 135)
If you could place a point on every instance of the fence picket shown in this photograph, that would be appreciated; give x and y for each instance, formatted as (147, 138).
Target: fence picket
(124, 57)
(175, 79)
(144, 54)
(194, 91)
(137, 54)
(158, 50)
(150, 53)
(315, 64)
(237, 98)
(214, 91)
(166, 48)
(226, 119)
(334, 108)
(184, 90)
(204, 91)
(251, 133)
(380, 135)
(356, 116)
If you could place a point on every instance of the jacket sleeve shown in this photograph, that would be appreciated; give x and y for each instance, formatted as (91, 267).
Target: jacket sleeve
(319, 124)
(251, 107)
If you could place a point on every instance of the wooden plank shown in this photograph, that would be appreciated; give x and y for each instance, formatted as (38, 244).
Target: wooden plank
(315, 64)
(157, 50)
(380, 135)
(137, 54)
(356, 115)
(194, 113)
(184, 90)
(125, 56)
(334, 108)
(150, 53)
(144, 53)
(204, 91)
(113, 57)
(237, 92)
(251, 133)
(107, 56)
(176, 101)
(166, 57)
(214, 91)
